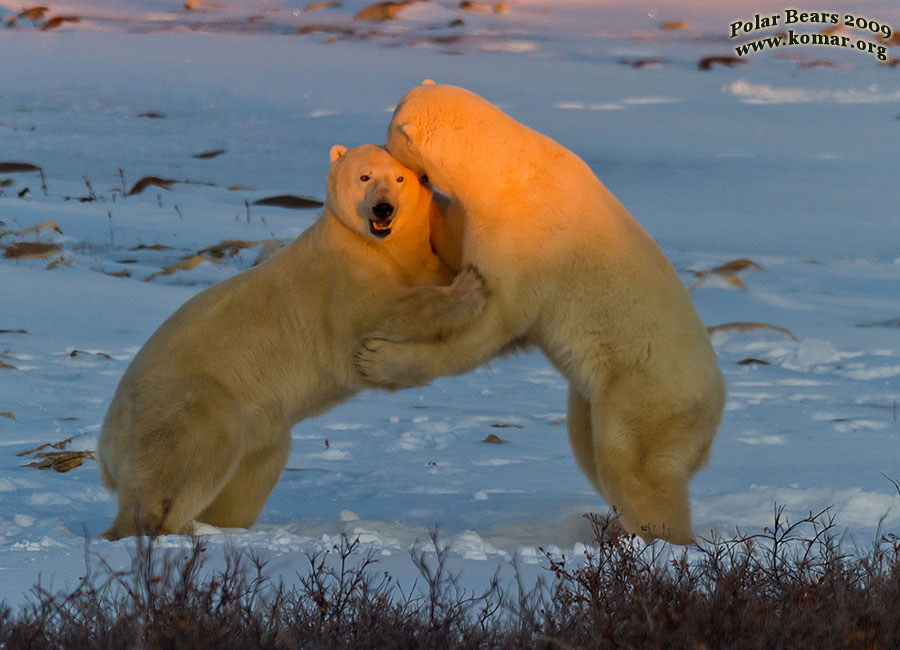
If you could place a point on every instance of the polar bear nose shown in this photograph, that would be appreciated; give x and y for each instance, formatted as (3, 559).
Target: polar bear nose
(383, 210)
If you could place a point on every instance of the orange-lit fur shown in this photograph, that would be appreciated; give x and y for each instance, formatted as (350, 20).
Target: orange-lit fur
(571, 271)
(199, 427)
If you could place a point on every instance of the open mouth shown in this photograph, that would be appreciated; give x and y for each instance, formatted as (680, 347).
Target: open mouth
(380, 228)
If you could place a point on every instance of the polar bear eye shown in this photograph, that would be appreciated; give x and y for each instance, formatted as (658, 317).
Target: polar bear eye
(364, 178)
(399, 179)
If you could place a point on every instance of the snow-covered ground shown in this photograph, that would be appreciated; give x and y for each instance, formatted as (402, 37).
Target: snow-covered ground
(787, 160)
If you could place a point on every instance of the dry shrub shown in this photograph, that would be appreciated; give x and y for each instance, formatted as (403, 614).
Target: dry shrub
(794, 585)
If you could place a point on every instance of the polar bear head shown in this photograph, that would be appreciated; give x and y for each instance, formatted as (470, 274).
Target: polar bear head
(373, 194)
(438, 129)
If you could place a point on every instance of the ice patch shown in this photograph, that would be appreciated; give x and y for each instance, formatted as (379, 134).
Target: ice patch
(24, 521)
(510, 46)
(482, 495)
(859, 425)
(48, 499)
(529, 555)
(853, 507)
(427, 490)
(749, 93)
(470, 545)
(758, 438)
(328, 454)
(754, 398)
(44, 544)
(812, 352)
(802, 382)
(878, 372)
(800, 397)
(641, 101)
(350, 426)
(616, 106)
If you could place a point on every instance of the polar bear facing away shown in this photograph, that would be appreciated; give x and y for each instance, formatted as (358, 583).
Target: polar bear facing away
(199, 427)
(571, 271)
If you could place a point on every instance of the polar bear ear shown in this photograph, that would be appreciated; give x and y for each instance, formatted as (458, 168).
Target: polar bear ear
(428, 82)
(337, 151)
(409, 131)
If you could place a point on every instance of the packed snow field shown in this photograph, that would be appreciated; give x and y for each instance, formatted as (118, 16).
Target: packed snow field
(770, 182)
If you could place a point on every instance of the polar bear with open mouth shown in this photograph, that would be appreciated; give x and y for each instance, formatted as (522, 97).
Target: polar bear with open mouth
(199, 427)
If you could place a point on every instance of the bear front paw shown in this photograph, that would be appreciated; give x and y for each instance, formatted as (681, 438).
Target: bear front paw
(385, 364)
(469, 292)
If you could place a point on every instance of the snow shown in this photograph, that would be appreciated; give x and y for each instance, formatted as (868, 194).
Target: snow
(789, 166)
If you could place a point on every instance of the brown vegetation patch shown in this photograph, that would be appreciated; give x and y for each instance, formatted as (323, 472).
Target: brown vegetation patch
(674, 25)
(750, 326)
(708, 62)
(61, 461)
(231, 247)
(206, 155)
(290, 201)
(151, 181)
(81, 353)
(381, 11)
(25, 250)
(184, 265)
(57, 21)
(325, 29)
(318, 6)
(13, 167)
(727, 271)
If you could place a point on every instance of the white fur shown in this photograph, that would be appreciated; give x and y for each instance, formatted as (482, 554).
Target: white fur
(199, 427)
(571, 271)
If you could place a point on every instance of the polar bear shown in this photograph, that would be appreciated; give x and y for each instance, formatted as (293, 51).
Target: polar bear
(199, 427)
(572, 272)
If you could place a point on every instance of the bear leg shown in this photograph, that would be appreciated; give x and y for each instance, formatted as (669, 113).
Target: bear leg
(239, 503)
(646, 483)
(176, 459)
(581, 435)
